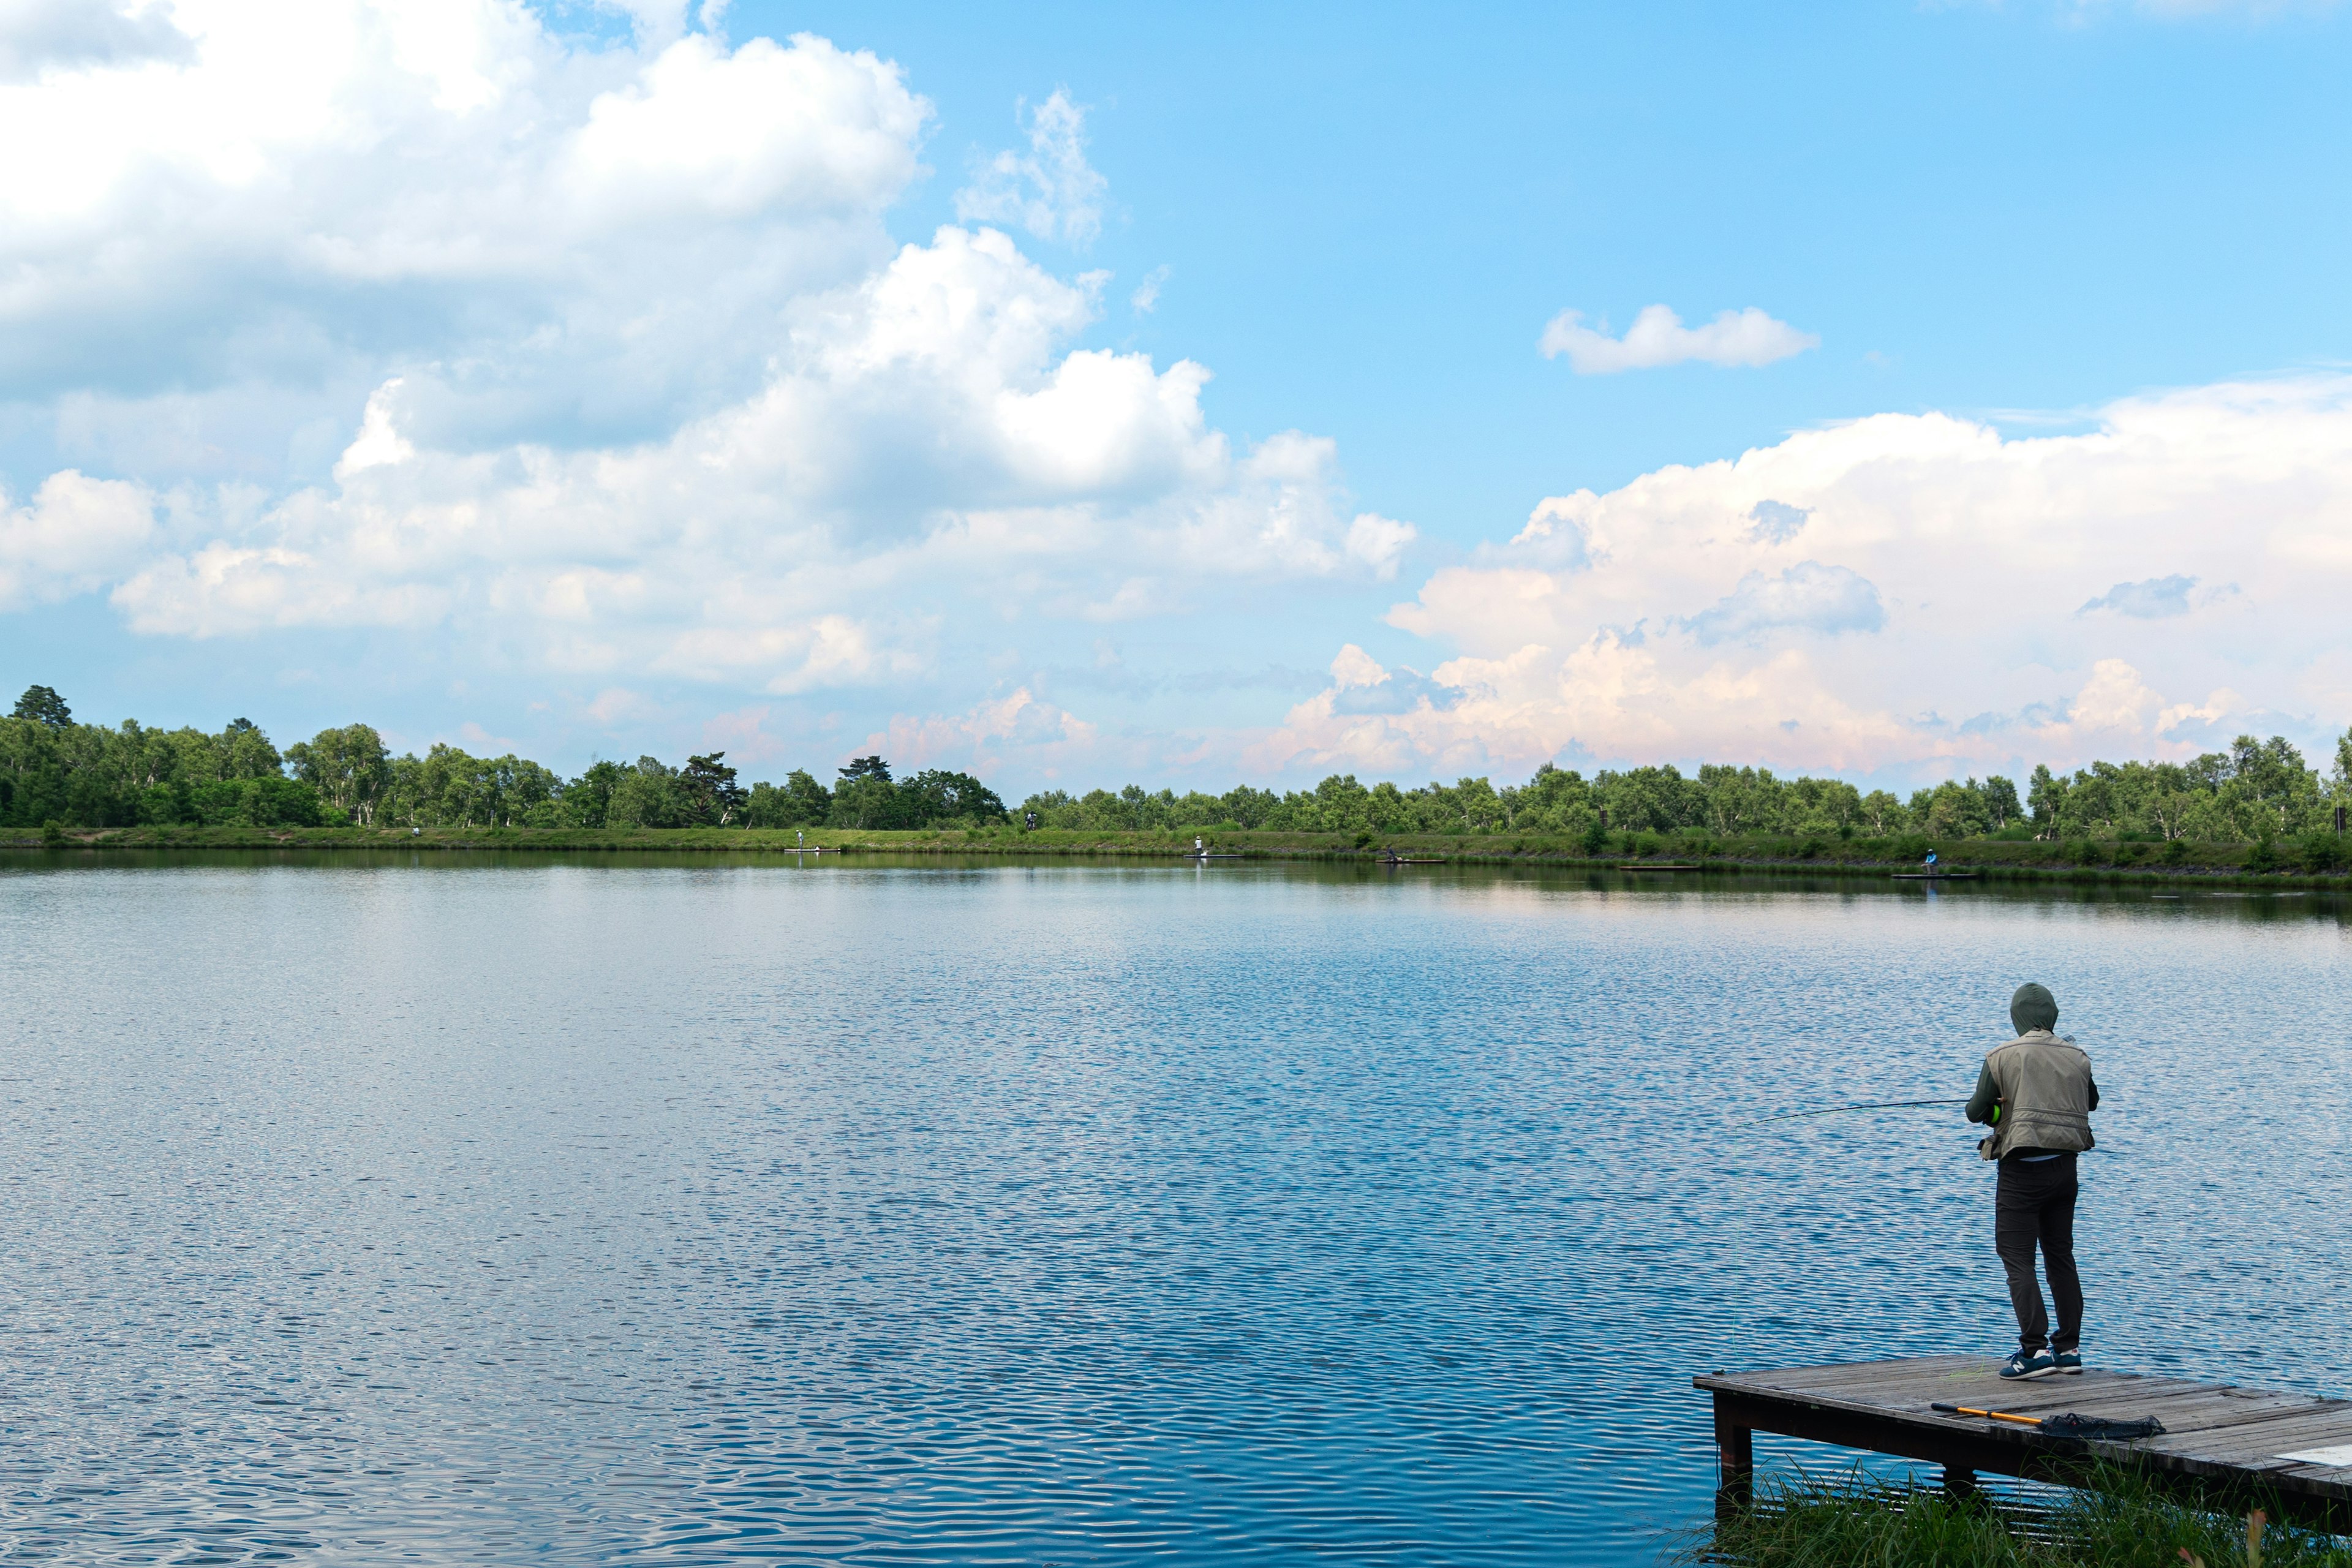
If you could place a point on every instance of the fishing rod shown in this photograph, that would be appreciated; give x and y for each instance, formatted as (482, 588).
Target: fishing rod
(1877, 1104)
(1864, 1105)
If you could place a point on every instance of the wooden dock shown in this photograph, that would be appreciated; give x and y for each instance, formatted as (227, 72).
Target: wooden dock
(2297, 1445)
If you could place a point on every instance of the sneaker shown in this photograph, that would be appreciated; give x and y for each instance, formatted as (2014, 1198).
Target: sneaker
(2029, 1363)
(2067, 1361)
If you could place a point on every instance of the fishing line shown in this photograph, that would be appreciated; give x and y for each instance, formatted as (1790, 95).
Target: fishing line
(1864, 1105)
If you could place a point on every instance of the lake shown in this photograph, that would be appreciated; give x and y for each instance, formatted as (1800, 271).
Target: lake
(493, 1209)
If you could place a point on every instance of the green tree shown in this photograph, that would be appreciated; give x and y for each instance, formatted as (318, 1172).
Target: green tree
(1952, 810)
(1556, 800)
(647, 797)
(936, 795)
(800, 802)
(1651, 800)
(1247, 807)
(708, 790)
(1880, 814)
(43, 706)
(1388, 807)
(349, 767)
(2000, 803)
(864, 798)
(588, 799)
(1742, 800)
(2045, 796)
(246, 752)
(1812, 805)
(2264, 787)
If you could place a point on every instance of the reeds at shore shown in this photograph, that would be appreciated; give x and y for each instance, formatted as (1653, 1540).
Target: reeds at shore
(1808, 1522)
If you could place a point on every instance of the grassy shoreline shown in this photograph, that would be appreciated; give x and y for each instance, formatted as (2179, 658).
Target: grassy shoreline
(2285, 865)
(2117, 1522)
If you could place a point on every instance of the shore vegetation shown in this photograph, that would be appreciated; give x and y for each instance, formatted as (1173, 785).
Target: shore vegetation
(2258, 807)
(2118, 1521)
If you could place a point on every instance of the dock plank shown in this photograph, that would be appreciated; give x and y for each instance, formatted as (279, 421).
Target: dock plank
(2265, 1439)
(2212, 1430)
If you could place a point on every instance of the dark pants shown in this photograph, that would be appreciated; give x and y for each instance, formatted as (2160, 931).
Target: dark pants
(2034, 1202)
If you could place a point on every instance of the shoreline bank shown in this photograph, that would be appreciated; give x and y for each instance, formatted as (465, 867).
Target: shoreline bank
(2289, 865)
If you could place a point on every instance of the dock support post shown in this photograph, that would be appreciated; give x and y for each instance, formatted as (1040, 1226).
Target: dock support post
(1959, 1483)
(1735, 1449)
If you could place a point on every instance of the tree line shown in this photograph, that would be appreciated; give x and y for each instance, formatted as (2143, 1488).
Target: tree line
(54, 769)
(2256, 789)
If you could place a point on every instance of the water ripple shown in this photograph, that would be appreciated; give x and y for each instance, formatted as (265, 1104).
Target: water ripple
(573, 1215)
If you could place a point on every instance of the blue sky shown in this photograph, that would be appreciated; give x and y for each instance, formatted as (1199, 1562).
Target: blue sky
(589, 381)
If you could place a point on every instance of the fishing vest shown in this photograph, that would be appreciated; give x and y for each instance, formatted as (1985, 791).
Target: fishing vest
(2045, 1084)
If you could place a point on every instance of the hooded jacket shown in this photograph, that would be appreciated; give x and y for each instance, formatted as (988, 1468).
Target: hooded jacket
(2037, 1093)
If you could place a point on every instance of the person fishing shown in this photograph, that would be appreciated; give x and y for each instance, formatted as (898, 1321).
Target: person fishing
(2035, 1092)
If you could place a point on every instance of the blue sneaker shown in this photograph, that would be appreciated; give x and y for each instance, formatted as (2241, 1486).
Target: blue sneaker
(2068, 1361)
(2029, 1363)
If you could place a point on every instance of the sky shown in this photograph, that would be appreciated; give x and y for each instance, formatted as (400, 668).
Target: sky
(1079, 395)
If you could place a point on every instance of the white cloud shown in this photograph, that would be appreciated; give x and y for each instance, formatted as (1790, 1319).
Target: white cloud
(704, 133)
(379, 441)
(1046, 738)
(1658, 337)
(548, 242)
(1378, 542)
(1808, 595)
(1051, 190)
(76, 530)
(1146, 297)
(922, 433)
(2153, 599)
(824, 651)
(594, 360)
(601, 360)
(619, 705)
(600, 355)
(1355, 667)
(1776, 522)
(38, 35)
(1659, 620)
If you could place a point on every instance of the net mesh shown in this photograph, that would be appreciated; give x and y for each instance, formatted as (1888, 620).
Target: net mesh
(2073, 1425)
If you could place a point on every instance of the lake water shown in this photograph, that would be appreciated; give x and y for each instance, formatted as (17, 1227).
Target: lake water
(567, 1212)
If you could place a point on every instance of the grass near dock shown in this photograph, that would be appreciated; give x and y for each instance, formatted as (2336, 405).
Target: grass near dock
(2119, 1522)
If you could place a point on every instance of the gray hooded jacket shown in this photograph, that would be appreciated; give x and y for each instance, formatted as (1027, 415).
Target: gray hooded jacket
(2037, 1093)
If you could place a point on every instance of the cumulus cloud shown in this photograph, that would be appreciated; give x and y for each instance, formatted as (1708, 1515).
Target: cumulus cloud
(921, 432)
(600, 355)
(1146, 296)
(75, 531)
(1660, 620)
(603, 360)
(1658, 338)
(1776, 522)
(2152, 600)
(549, 242)
(1808, 596)
(38, 35)
(1050, 190)
(1361, 685)
(1046, 738)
